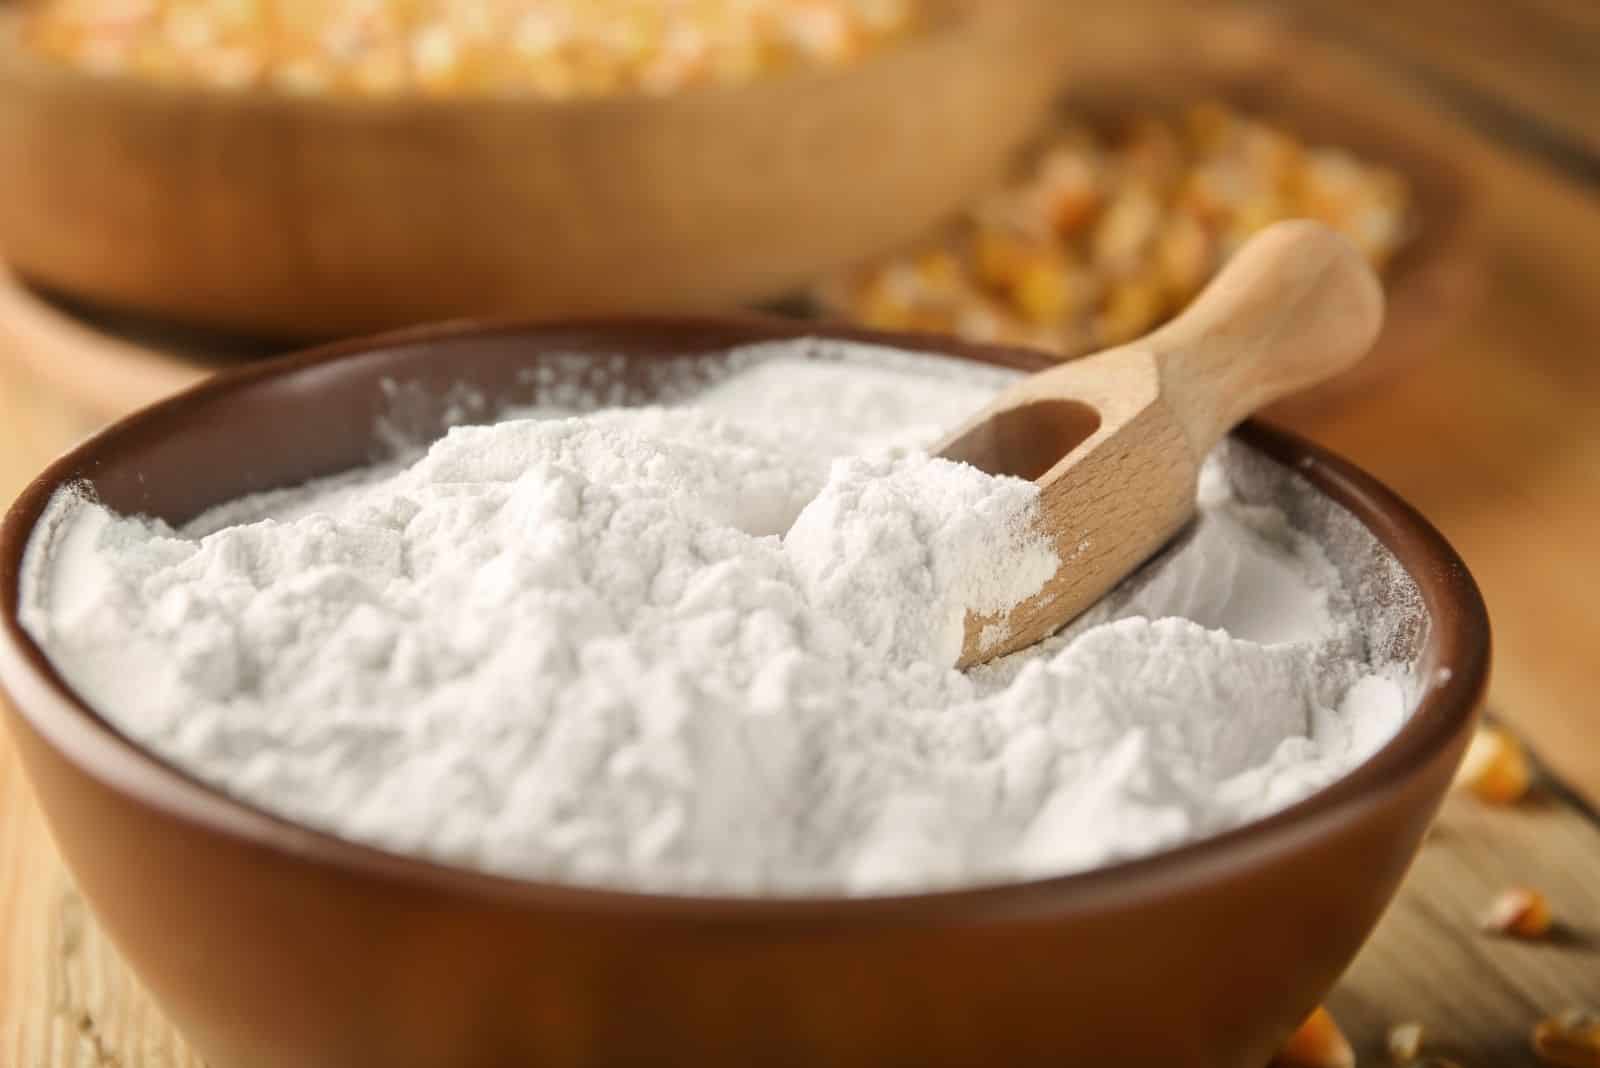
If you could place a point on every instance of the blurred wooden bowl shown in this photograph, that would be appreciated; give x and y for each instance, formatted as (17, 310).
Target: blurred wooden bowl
(1263, 66)
(265, 213)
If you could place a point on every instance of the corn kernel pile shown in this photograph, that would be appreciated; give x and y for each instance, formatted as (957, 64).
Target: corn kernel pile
(553, 48)
(1107, 235)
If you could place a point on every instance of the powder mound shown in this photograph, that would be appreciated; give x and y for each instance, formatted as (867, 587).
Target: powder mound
(680, 650)
(902, 547)
(703, 466)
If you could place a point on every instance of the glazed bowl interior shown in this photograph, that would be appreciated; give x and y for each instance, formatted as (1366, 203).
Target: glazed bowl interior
(289, 420)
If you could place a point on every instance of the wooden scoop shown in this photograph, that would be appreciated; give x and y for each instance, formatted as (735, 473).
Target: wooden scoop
(1115, 440)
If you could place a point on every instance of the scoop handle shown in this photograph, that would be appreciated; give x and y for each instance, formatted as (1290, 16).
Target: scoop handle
(1296, 305)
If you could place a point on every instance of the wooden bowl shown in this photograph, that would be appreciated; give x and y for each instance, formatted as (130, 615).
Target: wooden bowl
(1263, 67)
(271, 214)
(273, 946)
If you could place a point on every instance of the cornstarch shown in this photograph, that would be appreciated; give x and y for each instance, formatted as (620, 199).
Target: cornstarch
(707, 646)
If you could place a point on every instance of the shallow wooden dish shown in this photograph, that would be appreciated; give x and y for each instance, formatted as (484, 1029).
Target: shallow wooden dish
(266, 213)
(272, 946)
(1264, 67)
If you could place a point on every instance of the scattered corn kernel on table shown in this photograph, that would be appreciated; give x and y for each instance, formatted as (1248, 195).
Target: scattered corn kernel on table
(1494, 437)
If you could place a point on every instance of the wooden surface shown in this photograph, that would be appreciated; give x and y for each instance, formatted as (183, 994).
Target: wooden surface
(1496, 438)
(101, 372)
(1478, 995)
(1533, 62)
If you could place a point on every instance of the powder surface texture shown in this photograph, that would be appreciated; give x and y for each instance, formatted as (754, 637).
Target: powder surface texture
(708, 647)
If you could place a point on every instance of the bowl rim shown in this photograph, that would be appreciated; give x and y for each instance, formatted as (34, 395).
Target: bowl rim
(1456, 653)
(947, 21)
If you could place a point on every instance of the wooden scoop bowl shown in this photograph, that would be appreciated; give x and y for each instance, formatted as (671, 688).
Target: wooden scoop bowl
(1115, 440)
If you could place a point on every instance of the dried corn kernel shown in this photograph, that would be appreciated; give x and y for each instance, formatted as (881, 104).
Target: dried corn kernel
(939, 270)
(1278, 158)
(880, 310)
(1317, 1043)
(1496, 767)
(1067, 192)
(1046, 292)
(1126, 230)
(1404, 1043)
(1208, 125)
(1520, 912)
(1257, 214)
(1132, 309)
(1185, 257)
(1152, 155)
(1002, 257)
(981, 324)
(1570, 1040)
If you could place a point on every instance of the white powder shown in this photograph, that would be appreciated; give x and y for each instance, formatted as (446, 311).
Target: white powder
(692, 649)
(901, 548)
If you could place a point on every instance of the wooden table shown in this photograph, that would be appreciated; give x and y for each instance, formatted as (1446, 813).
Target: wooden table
(1497, 439)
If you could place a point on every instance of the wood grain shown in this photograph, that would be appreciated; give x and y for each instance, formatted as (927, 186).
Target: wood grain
(1478, 996)
(1539, 59)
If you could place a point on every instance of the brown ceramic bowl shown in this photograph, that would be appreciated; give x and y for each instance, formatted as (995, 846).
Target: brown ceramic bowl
(273, 946)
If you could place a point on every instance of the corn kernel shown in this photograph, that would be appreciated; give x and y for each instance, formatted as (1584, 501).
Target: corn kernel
(1045, 292)
(1184, 257)
(1519, 911)
(1067, 191)
(1404, 1043)
(877, 306)
(939, 270)
(1496, 767)
(1208, 126)
(1129, 225)
(1152, 155)
(1001, 257)
(1317, 1043)
(1570, 1040)
(1133, 308)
